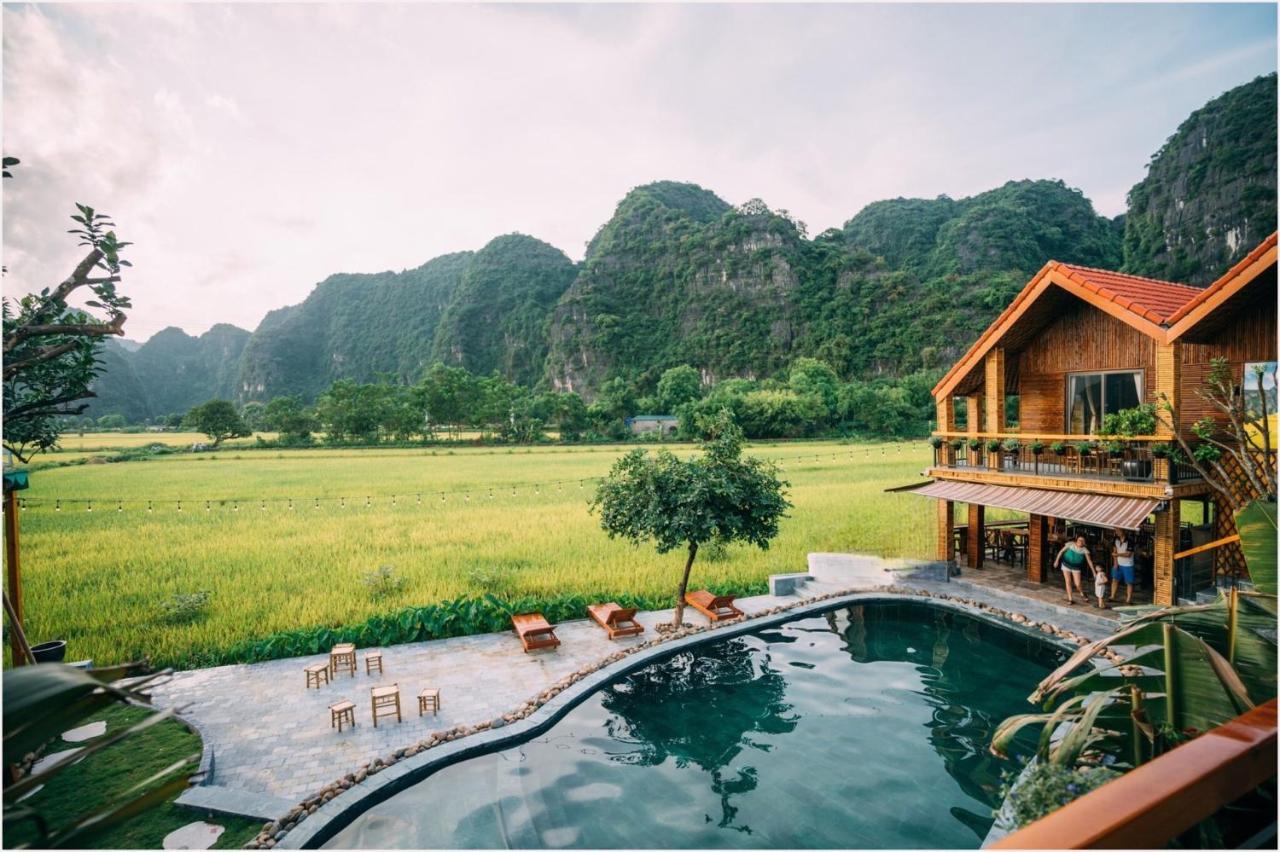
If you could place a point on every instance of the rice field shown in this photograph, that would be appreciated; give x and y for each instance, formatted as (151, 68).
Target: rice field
(284, 539)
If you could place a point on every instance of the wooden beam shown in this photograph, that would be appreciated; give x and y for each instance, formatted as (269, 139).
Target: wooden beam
(1165, 544)
(1168, 382)
(13, 575)
(972, 416)
(1119, 487)
(1221, 290)
(1150, 805)
(946, 531)
(1213, 545)
(1037, 544)
(977, 537)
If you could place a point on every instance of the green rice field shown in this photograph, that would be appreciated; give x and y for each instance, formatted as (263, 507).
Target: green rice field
(283, 539)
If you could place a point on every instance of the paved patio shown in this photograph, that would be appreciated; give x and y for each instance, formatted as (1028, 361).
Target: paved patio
(272, 744)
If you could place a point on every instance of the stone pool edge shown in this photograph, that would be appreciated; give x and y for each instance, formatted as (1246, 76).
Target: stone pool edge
(331, 816)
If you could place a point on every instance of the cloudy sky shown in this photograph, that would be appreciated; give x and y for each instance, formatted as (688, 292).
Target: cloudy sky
(251, 150)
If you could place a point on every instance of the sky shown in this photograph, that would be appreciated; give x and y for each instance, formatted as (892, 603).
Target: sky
(249, 151)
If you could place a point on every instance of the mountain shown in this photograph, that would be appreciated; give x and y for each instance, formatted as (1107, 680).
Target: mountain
(351, 326)
(1210, 192)
(679, 276)
(497, 316)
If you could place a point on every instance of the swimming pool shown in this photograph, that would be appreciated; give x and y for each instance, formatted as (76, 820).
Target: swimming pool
(867, 726)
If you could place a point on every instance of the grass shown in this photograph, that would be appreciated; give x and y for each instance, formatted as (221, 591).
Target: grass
(78, 442)
(100, 579)
(103, 779)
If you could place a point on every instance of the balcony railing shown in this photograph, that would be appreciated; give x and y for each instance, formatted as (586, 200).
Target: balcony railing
(1135, 459)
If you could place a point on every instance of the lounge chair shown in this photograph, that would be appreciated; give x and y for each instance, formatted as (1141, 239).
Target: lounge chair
(534, 631)
(714, 607)
(615, 620)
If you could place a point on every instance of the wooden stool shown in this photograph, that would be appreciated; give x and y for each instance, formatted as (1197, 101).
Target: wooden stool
(317, 673)
(343, 657)
(343, 711)
(373, 660)
(385, 698)
(429, 699)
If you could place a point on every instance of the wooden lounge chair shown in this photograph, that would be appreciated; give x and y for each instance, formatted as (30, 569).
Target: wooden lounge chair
(615, 620)
(714, 607)
(534, 631)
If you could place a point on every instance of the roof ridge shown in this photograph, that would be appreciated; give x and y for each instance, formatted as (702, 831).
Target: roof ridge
(1131, 275)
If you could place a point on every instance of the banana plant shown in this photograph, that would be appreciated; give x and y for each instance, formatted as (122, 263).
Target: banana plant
(40, 702)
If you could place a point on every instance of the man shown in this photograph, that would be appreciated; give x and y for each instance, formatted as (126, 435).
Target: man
(1122, 560)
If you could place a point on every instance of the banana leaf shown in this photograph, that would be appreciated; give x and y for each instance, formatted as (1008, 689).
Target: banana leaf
(1256, 523)
(40, 702)
(1082, 732)
(1206, 690)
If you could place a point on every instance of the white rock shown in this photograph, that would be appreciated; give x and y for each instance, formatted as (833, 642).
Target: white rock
(48, 760)
(197, 835)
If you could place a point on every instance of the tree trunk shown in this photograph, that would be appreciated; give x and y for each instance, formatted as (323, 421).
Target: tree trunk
(684, 586)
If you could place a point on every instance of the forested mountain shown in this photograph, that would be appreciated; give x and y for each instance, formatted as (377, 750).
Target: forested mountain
(496, 319)
(679, 276)
(1210, 192)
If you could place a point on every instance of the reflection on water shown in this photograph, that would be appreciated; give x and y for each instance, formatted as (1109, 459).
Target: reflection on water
(864, 727)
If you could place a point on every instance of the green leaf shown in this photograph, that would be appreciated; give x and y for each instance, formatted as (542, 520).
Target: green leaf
(1257, 525)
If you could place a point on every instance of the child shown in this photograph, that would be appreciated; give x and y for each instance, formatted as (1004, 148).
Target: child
(1100, 585)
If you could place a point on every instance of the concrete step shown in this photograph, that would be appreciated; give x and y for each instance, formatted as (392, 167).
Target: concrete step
(227, 800)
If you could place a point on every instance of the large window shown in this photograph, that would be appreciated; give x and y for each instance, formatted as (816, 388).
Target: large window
(1092, 396)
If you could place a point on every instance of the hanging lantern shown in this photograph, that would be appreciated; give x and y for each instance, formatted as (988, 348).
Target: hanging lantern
(207, 507)
(90, 509)
(149, 506)
(235, 506)
(57, 507)
(317, 506)
(119, 506)
(290, 504)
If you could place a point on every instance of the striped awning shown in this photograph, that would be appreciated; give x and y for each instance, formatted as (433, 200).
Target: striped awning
(1103, 510)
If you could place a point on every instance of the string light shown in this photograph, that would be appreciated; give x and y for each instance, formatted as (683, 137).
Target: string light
(119, 506)
(58, 506)
(367, 502)
(235, 506)
(317, 503)
(393, 500)
(149, 508)
(290, 504)
(342, 502)
(90, 509)
(264, 505)
(207, 507)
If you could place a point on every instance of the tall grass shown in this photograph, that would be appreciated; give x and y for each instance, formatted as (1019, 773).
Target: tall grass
(100, 579)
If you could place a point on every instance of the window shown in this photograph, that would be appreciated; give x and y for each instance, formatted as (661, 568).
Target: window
(1092, 396)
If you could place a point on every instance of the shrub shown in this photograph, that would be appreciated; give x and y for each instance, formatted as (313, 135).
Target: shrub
(1012, 445)
(993, 446)
(1059, 448)
(1139, 420)
(1037, 447)
(936, 442)
(185, 608)
(1048, 786)
(1085, 448)
(975, 443)
(957, 444)
(383, 582)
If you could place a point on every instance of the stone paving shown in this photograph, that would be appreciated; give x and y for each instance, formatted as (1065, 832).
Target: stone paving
(271, 739)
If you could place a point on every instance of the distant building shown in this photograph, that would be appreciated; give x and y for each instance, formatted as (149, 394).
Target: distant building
(644, 424)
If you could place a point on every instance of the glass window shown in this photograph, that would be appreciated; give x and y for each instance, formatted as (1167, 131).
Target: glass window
(1092, 396)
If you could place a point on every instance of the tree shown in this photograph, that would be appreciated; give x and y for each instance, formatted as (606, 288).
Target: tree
(51, 348)
(349, 410)
(811, 377)
(218, 419)
(449, 394)
(252, 414)
(288, 416)
(675, 503)
(678, 386)
(568, 412)
(112, 421)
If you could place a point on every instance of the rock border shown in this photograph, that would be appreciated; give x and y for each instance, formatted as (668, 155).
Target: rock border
(320, 816)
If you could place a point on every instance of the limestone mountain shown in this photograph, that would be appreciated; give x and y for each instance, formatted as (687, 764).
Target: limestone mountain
(1210, 192)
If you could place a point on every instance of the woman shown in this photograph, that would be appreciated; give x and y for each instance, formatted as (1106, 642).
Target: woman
(1122, 559)
(1071, 559)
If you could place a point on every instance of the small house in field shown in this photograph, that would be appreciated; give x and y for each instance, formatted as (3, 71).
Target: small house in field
(1075, 345)
(646, 424)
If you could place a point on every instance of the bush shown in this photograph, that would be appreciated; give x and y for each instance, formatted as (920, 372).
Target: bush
(1048, 786)
(184, 609)
(383, 583)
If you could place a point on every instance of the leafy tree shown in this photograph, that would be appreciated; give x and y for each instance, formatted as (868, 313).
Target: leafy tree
(288, 416)
(172, 421)
(351, 411)
(678, 386)
(51, 348)
(676, 503)
(812, 377)
(217, 419)
(112, 421)
(253, 415)
(567, 412)
(449, 395)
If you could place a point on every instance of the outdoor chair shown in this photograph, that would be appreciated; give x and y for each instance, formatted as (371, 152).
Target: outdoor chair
(373, 660)
(343, 711)
(343, 656)
(714, 607)
(317, 674)
(534, 631)
(429, 699)
(616, 620)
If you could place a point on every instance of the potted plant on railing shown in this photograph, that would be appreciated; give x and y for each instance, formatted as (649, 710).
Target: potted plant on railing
(975, 451)
(936, 442)
(992, 447)
(1165, 453)
(1037, 450)
(1059, 448)
(1127, 423)
(957, 445)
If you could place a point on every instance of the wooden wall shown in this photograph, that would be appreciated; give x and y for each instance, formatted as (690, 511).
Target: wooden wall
(1082, 339)
(1249, 334)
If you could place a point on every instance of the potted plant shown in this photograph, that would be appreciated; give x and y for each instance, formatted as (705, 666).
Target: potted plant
(1085, 448)
(1115, 449)
(1059, 448)
(1037, 447)
(993, 446)
(937, 443)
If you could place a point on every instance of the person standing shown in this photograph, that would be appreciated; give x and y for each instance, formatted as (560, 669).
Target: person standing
(1122, 560)
(1072, 558)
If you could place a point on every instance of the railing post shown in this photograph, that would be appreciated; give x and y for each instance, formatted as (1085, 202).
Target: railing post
(993, 389)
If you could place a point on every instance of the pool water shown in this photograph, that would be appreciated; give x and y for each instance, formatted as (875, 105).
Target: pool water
(864, 727)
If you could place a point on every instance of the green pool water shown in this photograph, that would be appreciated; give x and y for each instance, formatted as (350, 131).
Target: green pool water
(865, 727)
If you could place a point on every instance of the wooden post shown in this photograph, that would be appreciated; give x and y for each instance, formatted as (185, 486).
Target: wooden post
(1037, 543)
(1164, 546)
(994, 398)
(13, 574)
(946, 423)
(1168, 381)
(977, 534)
(946, 531)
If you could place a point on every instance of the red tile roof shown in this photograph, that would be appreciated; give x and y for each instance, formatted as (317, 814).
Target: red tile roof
(1149, 298)
(1227, 278)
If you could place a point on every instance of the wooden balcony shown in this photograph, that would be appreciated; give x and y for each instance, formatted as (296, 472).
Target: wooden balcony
(1062, 462)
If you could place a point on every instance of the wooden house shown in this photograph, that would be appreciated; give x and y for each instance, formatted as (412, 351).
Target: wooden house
(1075, 345)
